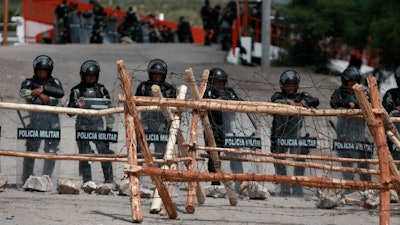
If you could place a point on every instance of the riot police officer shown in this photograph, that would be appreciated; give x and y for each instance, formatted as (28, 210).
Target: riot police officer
(62, 23)
(391, 103)
(155, 121)
(217, 88)
(285, 126)
(41, 89)
(83, 95)
(350, 129)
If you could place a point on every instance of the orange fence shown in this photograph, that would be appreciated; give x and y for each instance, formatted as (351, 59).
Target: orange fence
(42, 11)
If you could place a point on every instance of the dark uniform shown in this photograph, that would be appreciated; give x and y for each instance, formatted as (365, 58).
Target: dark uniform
(155, 121)
(284, 126)
(206, 17)
(82, 96)
(183, 31)
(130, 24)
(350, 129)
(62, 23)
(228, 16)
(391, 103)
(221, 121)
(52, 88)
(99, 23)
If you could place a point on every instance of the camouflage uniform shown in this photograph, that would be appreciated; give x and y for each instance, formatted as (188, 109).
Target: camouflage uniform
(92, 123)
(289, 126)
(221, 125)
(155, 121)
(350, 129)
(284, 126)
(41, 121)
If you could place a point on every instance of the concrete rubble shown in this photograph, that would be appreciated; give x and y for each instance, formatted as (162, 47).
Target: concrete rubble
(3, 183)
(38, 183)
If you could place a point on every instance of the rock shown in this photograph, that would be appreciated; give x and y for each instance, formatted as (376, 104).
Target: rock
(36, 183)
(216, 191)
(105, 189)
(146, 193)
(126, 40)
(3, 183)
(394, 198)
(68, 186)
(327, 203)
(89, 187)
(124, 188)
(253, 190)
(371, 203)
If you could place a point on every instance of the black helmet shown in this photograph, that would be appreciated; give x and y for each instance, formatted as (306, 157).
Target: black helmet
(290, 77)
(157, 66)
(43, 62)
(217, 74)
(397, 73)
(351, 73)
(91, 67)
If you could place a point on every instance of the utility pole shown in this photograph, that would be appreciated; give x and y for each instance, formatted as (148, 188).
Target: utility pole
(5, 23)
(266, 33)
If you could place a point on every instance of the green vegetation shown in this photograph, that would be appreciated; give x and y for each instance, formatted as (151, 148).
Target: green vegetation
(363, 24)
(14, 9)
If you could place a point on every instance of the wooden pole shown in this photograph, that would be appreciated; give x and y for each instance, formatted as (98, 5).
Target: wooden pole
(134, 186)
(130, 106)
(5, 23)
(304, 164)
(375, 121)
(248, 107)
(307, 181)
(205, 104)
(194, 187)
(170, 154)
(214, 155)
(293, 156)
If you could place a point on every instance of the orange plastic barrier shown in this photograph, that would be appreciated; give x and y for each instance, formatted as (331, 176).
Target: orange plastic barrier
(42, 11)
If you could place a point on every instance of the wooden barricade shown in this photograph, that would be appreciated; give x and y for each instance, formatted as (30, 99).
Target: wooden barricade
(377, 120)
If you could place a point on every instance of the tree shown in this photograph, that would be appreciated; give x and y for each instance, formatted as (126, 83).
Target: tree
(362, 24)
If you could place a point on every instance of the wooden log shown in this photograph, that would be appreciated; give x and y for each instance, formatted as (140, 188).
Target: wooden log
(248, 107)
(291, 156)
(134, 186)
(375, 122)
(194, 187)
(392, 166)
(81, 157)
(174, 121)
(105, 158)
(214, 156)
(390, 126)
(307, 181)
(155, 206)
(303, 164)
(206, 104)
(130, 108)
(170, 188)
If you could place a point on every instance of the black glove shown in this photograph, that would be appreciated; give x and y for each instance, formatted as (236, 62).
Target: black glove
(309, 99)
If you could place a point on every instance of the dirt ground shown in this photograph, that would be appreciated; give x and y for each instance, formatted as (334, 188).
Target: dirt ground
(20, 207)
(253, 83)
